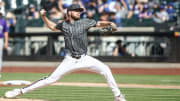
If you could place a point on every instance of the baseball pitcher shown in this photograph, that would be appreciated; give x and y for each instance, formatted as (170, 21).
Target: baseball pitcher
(75, 36)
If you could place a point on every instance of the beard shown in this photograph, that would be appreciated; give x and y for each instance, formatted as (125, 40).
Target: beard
(75, 17)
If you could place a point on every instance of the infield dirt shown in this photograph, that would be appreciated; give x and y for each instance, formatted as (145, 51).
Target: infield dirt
(130, 71)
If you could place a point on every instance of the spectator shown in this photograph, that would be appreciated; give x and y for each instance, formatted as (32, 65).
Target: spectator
(2, 7)
(3, 35)
(49, 4)
(78, 2)
(127, 8)
(33, 14)
(92, 5)
(125, 4)
(103, 16)
(64, 7)
(67, 2)
(138, 7)
(91, 14)
(62, 51)
(153, 5)
(11, 22)
(120, 50)
(25, 2)
(157, 49)
(120, 13)
(55, 15)
(131, 3)
(91, 10)
(161, 16)
(112, 17)
(38, 3)
(170, 11)
(143, 1)
(109, 46)
(13, 4)
(60, 6)
(145, 14)
(102, 6)
(112, 5)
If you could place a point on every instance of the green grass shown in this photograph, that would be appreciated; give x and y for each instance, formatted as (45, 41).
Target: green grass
(64, 93)
(70, 93)
(138, 79)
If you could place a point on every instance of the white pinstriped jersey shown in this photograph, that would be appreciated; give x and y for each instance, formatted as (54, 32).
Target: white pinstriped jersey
(75, 35)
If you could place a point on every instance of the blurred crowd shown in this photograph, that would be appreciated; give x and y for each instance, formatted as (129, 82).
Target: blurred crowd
(20, 14)
(157, 11)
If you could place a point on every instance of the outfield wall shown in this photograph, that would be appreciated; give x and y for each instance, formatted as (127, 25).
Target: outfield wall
(141, 46)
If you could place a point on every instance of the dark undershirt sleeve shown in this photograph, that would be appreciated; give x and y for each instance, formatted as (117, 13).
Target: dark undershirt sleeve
(59, 26)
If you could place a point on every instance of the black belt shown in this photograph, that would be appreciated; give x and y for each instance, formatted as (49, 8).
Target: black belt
(76, 56)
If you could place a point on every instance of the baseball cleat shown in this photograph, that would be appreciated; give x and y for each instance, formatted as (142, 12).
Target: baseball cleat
(13, 93)
(119, 98)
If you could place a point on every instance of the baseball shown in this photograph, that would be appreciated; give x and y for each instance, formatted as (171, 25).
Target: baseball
(43, 12)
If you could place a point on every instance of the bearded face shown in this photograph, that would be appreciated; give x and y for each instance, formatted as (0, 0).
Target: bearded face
(74, 14)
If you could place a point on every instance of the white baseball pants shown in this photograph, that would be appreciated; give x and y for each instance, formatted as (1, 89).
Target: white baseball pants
(1, 52)
(70, 64)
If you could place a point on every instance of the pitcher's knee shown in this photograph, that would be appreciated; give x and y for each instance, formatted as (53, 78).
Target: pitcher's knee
(107, 69)
(106, 72)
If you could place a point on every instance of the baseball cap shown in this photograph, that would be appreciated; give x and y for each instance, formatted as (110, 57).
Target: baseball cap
(74, 7)
(31, 6)
(65, 6)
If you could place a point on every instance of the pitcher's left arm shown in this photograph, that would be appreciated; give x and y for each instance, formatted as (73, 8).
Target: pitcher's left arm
(104, 26)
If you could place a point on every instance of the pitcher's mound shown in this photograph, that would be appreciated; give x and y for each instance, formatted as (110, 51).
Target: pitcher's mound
(3, 99)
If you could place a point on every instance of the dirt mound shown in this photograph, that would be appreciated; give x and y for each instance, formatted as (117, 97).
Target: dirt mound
(2, 99)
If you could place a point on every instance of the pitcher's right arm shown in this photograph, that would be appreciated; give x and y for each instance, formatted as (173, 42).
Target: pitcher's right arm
(51, 25)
